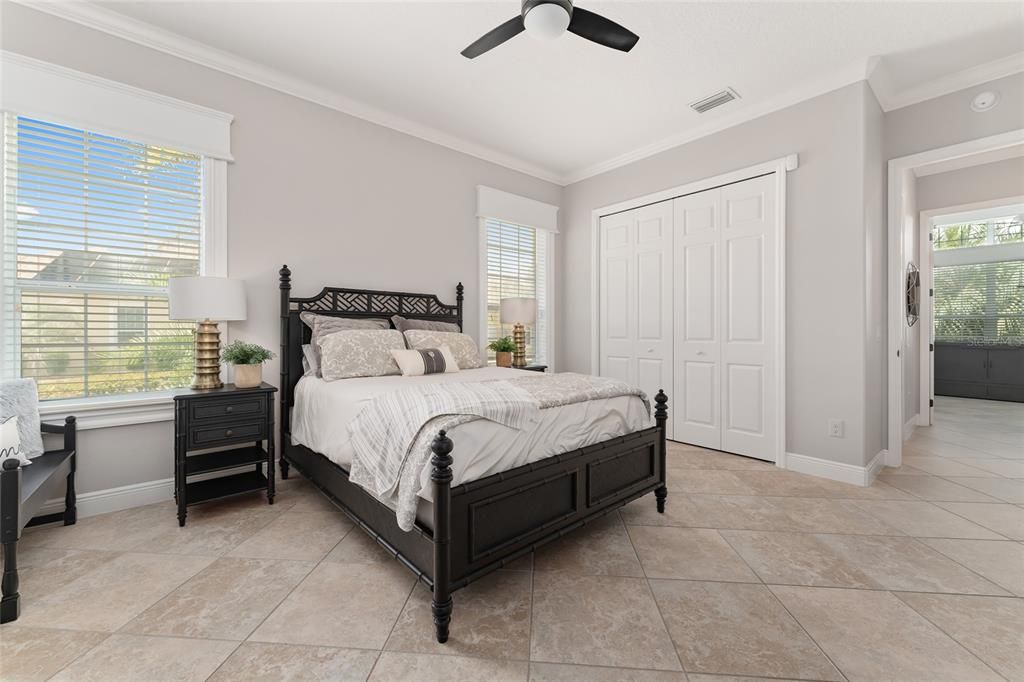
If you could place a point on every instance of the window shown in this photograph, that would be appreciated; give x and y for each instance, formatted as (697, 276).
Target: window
(980, 302)
(1003, 230)
(94, 226)
(517, 266)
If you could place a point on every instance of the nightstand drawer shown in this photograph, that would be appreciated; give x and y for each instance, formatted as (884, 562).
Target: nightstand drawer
(224, 434)
(235, 408)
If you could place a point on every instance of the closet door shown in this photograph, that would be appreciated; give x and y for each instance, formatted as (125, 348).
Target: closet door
(653, 263)
(696, 400)
(636, 298)
(748, 317)
(617, 311)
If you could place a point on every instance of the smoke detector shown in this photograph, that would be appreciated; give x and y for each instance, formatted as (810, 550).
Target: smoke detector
(985, 101)
(714, 101)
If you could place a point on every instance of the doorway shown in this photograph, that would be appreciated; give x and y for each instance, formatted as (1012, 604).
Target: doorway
(906, 292)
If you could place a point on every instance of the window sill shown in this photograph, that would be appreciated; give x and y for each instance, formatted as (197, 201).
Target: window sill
(102, 413)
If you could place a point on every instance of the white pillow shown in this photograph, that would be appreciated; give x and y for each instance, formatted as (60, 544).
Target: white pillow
(10, 442)
(310, 362)
(462, 346)
(415, 363)
(359, 353)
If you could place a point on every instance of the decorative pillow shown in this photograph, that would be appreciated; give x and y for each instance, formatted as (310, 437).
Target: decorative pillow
(359, 353)
(10, 442)
(322, 325)
(403, 325)
(19, 398)
(462, 346)
(310, 362)
(414, 363)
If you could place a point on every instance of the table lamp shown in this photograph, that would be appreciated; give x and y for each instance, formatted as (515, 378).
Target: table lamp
(517, 312)
(206, 299)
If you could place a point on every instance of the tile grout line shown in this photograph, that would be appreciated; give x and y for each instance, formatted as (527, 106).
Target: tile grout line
(654, 599)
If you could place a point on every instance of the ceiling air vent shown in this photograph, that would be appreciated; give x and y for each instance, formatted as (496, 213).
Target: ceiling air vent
(715, 100)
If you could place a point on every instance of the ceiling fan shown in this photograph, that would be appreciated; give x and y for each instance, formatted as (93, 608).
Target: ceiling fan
(549, 19)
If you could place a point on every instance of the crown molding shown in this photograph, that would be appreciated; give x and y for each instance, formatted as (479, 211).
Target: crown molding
(891, 98)
(852, 73)
(871, 69)
(147, 35)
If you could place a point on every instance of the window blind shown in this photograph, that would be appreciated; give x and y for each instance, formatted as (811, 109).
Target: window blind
(981, 302)
(94, 226)
(517, 267)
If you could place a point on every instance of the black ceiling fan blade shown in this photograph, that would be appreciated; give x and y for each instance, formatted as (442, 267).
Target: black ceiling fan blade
(495, 37)
(603, 31)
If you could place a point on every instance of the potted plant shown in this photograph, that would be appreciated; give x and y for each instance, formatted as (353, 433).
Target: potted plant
(503, 349)
(248, 359)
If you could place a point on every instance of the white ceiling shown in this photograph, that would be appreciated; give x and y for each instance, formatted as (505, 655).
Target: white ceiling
(568, 108)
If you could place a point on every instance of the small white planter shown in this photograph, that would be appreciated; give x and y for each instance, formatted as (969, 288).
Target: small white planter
(248, 376)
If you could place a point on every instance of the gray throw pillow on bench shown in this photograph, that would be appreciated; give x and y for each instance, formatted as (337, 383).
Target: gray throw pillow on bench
(19, 398)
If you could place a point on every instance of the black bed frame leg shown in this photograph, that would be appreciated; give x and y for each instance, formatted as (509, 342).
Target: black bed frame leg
(285, 398)
(441, 478)
(10, 499)
(661, 418)
(70, 498)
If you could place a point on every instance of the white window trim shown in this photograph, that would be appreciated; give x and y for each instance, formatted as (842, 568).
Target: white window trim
(550, 298)
(56, 94)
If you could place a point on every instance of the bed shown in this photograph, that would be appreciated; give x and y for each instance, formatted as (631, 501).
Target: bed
(478, 515)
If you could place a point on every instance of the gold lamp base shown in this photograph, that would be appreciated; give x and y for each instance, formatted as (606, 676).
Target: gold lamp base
(207, 371)
(519, 337)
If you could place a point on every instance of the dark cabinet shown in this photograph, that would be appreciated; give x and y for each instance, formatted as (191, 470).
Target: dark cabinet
(987, 372)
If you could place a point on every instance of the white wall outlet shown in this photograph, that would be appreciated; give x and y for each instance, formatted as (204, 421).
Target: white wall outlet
(835, 428)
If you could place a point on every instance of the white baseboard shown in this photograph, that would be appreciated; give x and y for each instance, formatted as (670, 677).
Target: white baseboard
(910, 426)
(836, 471)
(116, 499)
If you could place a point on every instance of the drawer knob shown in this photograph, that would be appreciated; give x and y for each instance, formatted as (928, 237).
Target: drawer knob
(229, 408)
(229, 433)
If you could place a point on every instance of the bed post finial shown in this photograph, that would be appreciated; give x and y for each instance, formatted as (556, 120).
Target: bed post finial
(286, 386)
(441, 478)
(661, 419)
(459, 291)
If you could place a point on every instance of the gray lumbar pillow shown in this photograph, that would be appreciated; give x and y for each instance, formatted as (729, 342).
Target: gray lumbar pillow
(19, 398)
(403, 325)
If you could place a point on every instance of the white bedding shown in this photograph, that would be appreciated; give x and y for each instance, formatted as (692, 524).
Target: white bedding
(323, 410)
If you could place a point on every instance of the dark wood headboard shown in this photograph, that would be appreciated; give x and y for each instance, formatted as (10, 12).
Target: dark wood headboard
(341, 302)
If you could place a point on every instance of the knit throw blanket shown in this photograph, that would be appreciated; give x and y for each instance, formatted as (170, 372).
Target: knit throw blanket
(391, 436)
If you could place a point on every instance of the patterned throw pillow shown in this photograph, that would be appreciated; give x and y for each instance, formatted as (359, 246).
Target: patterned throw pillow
(322, 325)
(10, 442)
(20, 398)
(414, 363)
(403, 325)
(359, 353)
(462, 346)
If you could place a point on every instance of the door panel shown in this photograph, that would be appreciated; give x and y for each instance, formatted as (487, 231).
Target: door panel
(696, 396)
(654, 299)
(748, 300)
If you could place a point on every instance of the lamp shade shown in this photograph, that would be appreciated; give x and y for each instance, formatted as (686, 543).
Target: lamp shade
(521, 310)
(206, 298)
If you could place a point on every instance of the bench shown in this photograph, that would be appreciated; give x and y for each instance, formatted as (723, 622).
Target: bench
(23, 492)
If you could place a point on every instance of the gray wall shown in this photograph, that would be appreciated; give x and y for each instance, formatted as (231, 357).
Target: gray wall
(876, 395)
(341, 200)
(826, 252)
(987, 182)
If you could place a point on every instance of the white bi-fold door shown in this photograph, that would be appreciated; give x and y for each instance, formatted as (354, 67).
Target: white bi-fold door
(687, 302)
(725, 317)
(636, 298)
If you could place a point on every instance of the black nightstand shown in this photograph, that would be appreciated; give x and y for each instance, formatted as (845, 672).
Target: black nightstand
(217, 421)
(534, 368)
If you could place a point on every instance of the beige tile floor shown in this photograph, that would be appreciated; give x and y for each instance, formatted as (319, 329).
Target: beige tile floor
(752, 573)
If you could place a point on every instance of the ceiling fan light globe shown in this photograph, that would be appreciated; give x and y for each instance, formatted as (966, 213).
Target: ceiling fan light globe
(546, 21)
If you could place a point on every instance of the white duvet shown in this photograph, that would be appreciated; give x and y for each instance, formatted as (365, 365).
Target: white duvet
(323, 410)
